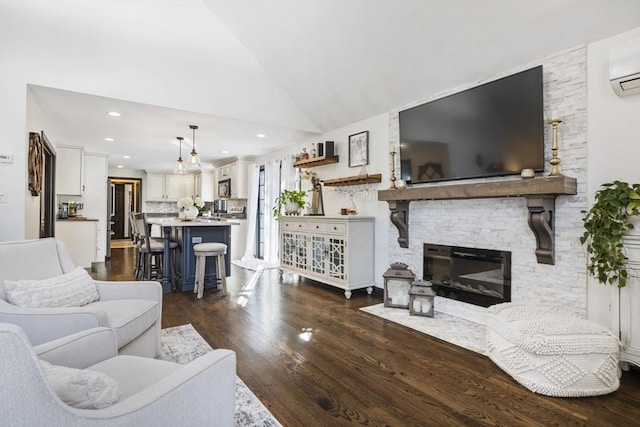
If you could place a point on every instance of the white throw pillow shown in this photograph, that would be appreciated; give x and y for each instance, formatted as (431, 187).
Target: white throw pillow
(81, 388)
(73, 289)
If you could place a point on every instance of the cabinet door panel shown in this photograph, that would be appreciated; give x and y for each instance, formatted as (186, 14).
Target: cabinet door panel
(187, 186)
(335, 257)
(318, 254)
(300, 250)
(155, 187)
(80, 239)
(287, 249)
(173, 187)
(69, 170)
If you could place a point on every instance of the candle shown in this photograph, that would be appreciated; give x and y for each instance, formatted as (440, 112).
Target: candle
(417, 305)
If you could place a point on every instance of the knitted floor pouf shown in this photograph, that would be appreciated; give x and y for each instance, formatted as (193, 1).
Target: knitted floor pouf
(552, 351)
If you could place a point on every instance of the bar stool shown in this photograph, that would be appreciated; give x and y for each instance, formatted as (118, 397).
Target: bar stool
(152, 251)
(202, 251)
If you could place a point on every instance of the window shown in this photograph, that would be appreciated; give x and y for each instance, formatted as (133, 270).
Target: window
(260, 223)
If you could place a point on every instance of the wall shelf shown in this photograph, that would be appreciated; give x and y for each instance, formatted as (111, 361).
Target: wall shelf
(540, 192)
(353, 180)
(316, 161)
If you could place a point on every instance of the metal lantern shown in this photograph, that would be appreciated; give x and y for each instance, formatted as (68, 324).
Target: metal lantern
(421, 299)
(397, 282)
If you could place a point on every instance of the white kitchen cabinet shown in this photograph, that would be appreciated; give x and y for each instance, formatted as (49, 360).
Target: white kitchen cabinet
(197, 184)
(203, 186)
(173, 187)
(237, 171)
(187, 186)
(69, 168)
(155, 187)
(168, 187)
(626, 303)
(80, 238)
(95, 198)
(334, 250)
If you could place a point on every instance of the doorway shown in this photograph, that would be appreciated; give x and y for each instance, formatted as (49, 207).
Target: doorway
(125, 198)
(47, 197)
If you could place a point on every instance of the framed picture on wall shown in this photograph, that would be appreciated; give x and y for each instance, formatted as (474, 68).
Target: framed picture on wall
(359, 149)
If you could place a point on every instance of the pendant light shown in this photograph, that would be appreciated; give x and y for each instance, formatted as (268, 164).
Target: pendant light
(194, 161)
(180, 166)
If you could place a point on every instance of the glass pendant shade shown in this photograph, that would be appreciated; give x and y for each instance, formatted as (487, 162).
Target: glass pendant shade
(193, 164)
(180, 167)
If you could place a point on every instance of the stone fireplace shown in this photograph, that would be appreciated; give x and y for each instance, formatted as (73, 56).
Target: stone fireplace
(499, 223)
(475, 276)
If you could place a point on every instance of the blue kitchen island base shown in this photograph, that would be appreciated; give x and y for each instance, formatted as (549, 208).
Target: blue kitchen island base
(188, 234)
(187, 237)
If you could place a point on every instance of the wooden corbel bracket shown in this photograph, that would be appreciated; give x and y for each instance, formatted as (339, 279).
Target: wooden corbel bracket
(541, 209)
(400, 218)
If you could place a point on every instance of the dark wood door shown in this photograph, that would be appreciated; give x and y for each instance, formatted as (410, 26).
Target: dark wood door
(118, 218)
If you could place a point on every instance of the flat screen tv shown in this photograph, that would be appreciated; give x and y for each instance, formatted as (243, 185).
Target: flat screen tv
(494, 129)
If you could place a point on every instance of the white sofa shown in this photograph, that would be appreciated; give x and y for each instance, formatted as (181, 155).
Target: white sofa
(153, 392)
(132, 309)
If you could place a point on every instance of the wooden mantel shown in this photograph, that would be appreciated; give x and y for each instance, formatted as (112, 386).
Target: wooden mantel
(540, 192)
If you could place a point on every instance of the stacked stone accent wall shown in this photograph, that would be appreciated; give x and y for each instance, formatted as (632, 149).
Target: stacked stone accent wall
(501, 223)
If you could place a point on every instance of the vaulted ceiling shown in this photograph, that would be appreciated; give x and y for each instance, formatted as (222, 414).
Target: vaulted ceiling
(287, 69)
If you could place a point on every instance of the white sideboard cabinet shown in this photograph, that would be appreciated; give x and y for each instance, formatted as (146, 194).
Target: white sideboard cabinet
(337, 251)
(628, 302)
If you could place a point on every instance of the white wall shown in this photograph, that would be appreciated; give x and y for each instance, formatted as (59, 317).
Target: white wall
(71, 46)
(614, 145)
(378, 128)
(35, 122)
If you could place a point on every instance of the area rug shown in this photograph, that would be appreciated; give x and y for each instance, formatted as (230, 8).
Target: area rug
(461, 332)
(182, 344)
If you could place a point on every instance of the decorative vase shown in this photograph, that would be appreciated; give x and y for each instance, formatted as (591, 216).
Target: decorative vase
(291, 208)
(190, 214)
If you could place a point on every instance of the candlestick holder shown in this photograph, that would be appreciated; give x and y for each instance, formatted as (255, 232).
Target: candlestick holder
(393, 171)
(555, 160)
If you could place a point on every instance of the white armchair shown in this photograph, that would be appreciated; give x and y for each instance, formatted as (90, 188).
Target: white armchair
(153, 392)
(132, 309)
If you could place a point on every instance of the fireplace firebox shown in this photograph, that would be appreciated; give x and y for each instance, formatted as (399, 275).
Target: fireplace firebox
(476, 276)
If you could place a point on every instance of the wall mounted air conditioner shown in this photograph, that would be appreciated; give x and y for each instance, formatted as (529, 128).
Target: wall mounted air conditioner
(624, 68)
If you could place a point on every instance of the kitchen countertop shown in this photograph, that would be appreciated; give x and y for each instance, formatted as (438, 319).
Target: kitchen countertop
(199, 222)
(76, 218)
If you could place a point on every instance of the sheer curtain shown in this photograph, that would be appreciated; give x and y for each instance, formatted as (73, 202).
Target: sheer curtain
(279, 175)
(252, 212)
(272, 189)
(271, 238)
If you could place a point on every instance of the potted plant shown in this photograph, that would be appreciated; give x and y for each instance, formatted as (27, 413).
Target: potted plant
(291, 200)
(611, 215)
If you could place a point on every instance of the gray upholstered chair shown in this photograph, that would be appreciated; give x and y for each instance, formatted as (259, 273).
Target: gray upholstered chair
(152, 392)
(132, 309)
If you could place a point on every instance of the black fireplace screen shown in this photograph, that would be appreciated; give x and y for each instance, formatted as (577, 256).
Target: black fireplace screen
(476, 276)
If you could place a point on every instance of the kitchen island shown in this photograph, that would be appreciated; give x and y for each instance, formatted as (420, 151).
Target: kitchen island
(187, 234)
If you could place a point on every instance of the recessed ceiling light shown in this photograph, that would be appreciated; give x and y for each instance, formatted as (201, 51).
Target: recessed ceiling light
(109, 139)
(126, 157)
(120, 167)
(225, 151)
(113, 114)
(261, 135)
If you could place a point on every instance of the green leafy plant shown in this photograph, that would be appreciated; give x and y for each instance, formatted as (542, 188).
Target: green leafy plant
(605, 223)
(287, 196)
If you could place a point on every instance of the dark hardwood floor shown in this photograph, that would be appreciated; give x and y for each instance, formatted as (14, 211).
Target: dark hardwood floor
(314, 359)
